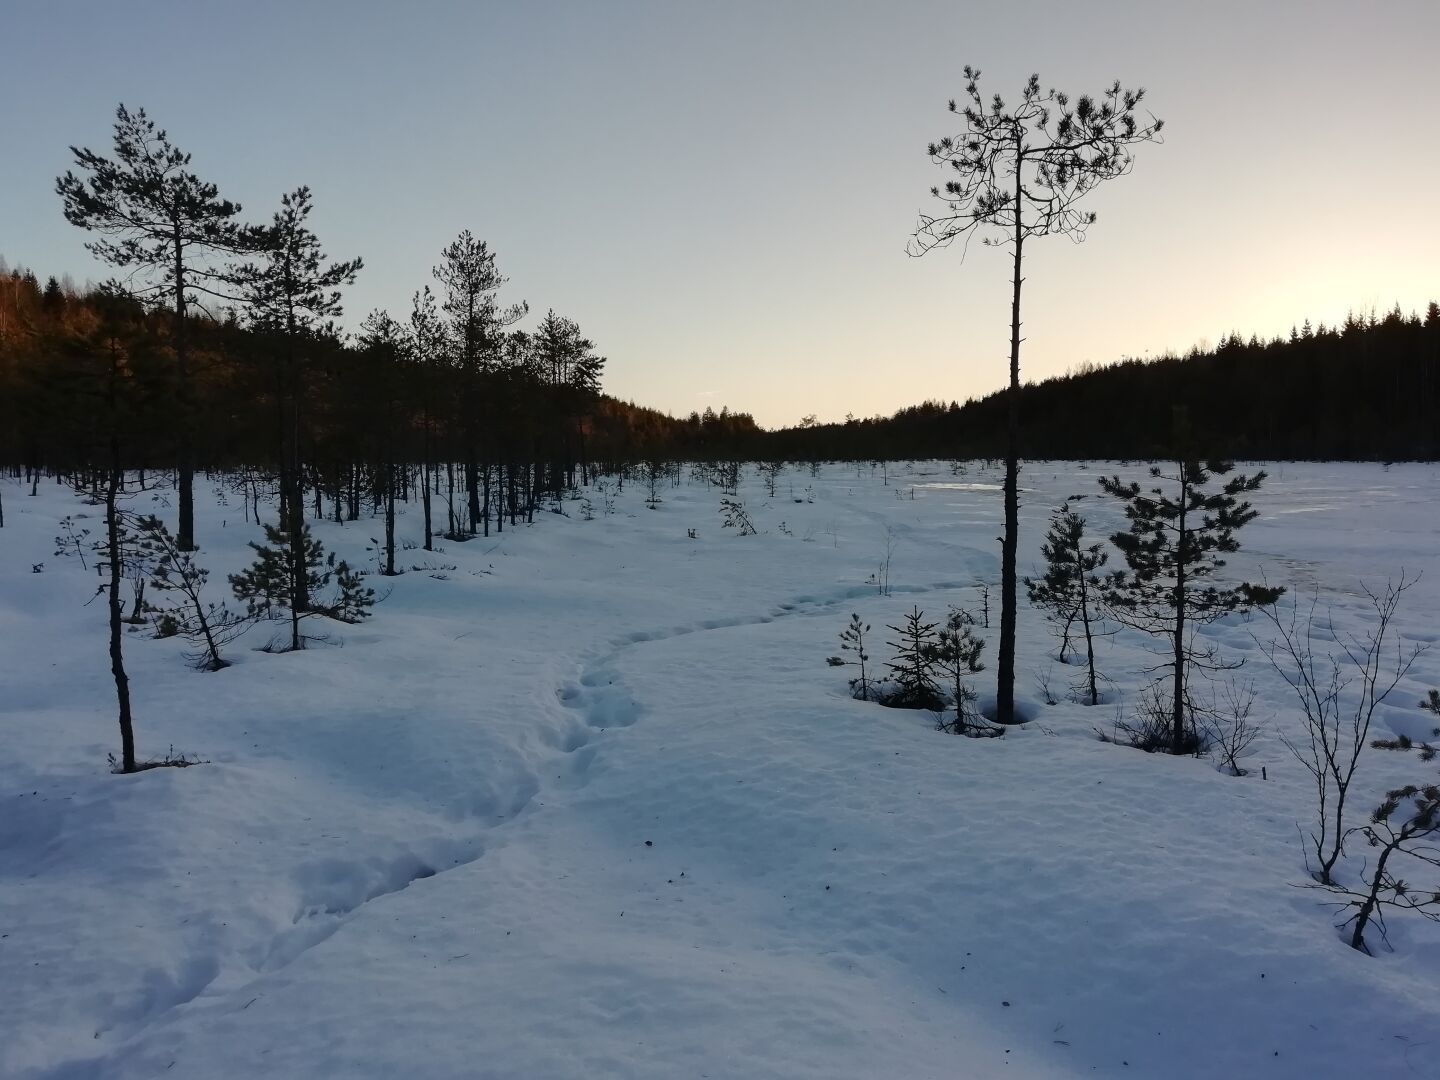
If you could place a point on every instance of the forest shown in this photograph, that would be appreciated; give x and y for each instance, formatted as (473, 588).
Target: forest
(1365, 390)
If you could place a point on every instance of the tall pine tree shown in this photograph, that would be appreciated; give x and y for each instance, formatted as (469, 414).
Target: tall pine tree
(1015, 174)
(156, 216)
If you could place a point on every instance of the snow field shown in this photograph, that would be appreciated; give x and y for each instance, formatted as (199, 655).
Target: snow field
(593, 805)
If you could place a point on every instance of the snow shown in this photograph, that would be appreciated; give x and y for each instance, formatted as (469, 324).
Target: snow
(584, 800)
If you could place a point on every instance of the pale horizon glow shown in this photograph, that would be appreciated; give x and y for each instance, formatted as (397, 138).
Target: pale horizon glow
(721, 195)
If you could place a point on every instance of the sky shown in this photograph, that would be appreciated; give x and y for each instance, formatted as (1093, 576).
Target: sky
(721, 193)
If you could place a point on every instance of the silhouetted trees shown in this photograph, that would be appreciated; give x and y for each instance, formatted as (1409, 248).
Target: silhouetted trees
(1366, 389)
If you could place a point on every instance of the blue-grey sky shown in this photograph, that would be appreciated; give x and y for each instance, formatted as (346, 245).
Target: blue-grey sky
(720, 193)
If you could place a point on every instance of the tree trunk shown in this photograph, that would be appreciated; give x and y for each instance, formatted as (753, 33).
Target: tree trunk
(1089, 639)
(425, 496)
(117, 657)
(1362, 917)
(184, 446)
(1005, 661)
(1177, 705)
(472, 491)
(390, 520)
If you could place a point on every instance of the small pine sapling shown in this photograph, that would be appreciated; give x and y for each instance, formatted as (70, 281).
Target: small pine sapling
(770, 474)
(956, 657)
(852, 640)
(271, 581)
(207, 626)
(1175, 541)
(654, 474)
(1070, 589)
(736, 517)
(353, 599)
(73, 540)
(913, 668)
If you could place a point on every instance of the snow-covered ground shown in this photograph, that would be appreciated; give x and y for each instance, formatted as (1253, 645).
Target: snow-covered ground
(584, 800)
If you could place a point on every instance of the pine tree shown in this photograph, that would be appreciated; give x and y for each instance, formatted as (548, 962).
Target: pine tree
(353, 598)
(852, 640)
(289, 290)
(157, 217)
(1018, 174)
(382, 346)
(956, 656)
(471, 280)
(1070, 587)
(207, 626)
(427, 347)
(1175, 541)
(269, 583)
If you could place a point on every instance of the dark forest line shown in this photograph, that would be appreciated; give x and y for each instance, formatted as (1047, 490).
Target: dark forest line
(1367, 390)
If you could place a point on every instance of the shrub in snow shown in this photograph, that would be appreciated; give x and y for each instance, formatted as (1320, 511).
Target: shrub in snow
(1230, 725)
(1338, 690)
(1148, 726)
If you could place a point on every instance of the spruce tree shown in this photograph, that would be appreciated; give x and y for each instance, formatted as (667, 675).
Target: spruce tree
(157, 217)
(1179, 530)
(913, 667)
(1070, 588)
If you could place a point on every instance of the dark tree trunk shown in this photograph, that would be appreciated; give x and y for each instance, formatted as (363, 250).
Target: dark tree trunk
(472, 491)
(1089, 640)
(117, 568)
(1177, 704)
(1005, 660)
(425, 497)
(390, 520)
(184, 445)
